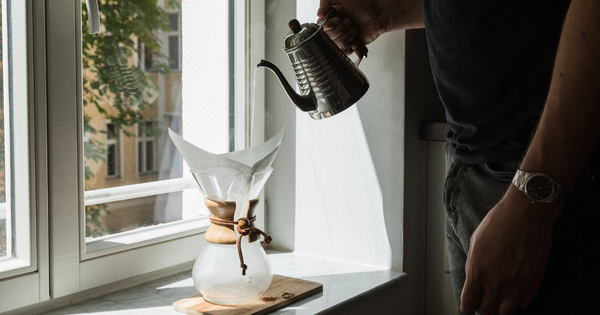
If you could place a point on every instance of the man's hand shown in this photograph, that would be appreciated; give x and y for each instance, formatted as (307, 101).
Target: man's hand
(368, 19)
(508, 255)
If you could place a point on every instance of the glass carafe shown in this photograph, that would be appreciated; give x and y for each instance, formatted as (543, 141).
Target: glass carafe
(232, 269)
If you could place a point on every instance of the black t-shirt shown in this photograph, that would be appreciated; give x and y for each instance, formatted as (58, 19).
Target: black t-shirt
(492, 61)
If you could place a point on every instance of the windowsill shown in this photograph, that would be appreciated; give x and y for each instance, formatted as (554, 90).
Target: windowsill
(344, 285)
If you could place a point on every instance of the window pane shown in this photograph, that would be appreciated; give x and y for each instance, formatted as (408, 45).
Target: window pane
(174, 52)
(174, 21)
(140, 157)
(149, 156)
(133, 77)
(15, 219)
(110, 131)
(3, 238)
(111, 160)
(150, 126)
(3, 234)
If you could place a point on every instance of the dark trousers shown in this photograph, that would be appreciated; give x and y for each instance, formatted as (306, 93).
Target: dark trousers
(571, 283)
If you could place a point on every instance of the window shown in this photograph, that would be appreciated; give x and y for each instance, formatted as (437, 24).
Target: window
(148, 54)
(146, 147)
(174, 41)
(113, 151)
(95, 92)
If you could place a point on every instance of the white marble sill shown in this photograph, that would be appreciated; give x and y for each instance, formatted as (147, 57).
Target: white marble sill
(344, 284)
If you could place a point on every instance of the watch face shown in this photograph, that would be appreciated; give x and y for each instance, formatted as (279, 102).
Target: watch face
(539, 187)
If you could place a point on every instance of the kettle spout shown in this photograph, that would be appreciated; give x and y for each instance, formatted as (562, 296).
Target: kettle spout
(305, 103)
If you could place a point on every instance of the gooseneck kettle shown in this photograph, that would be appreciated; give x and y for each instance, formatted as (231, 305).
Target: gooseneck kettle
(328, 80)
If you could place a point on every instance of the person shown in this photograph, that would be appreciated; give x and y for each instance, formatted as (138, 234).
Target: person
(518, 80)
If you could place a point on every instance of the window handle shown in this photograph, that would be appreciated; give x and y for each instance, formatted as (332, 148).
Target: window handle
(93, 16)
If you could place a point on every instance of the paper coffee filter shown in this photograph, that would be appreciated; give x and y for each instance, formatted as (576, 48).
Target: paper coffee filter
(261, 156)
(233, 176)
(247, 161)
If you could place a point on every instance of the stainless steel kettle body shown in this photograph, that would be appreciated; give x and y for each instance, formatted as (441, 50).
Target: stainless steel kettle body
(328, 80)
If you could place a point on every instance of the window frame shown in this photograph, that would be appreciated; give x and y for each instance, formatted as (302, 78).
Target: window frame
(30, 284)
(19, 194)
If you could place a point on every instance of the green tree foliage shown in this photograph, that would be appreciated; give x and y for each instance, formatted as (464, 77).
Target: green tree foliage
(110, 75)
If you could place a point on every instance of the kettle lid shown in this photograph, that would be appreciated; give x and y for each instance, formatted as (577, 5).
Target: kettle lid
(299, 35)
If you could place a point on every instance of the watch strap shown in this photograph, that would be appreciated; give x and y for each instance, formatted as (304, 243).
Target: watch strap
(559, 193)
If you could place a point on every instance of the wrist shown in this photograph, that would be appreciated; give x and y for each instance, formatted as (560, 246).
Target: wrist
(400, 17)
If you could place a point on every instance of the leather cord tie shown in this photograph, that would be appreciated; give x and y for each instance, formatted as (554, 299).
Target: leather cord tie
(244, 229)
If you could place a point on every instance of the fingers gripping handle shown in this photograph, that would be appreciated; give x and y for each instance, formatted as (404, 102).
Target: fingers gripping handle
(93, 16)
(361, 50)
(357, 45)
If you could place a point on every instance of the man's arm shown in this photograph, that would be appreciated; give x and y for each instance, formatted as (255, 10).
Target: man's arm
(569, 130)
(369, 19)
(510, 249)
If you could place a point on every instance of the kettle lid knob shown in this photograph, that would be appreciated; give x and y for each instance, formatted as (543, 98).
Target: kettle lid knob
(295, 26)
(299, 35)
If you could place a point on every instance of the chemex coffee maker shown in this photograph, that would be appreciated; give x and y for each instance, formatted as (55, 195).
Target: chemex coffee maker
(328, 80)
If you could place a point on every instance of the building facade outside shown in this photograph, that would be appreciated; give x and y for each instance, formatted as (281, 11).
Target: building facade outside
(139, 84)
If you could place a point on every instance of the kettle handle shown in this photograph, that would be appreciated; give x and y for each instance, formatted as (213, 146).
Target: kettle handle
(361, 49)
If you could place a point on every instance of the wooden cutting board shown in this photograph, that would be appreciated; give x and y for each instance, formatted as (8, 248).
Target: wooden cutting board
(282, 292)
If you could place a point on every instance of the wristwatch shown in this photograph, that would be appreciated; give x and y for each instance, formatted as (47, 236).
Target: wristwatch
(540, 187)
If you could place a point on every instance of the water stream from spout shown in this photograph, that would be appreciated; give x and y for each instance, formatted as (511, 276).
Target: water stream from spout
(253, 96)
